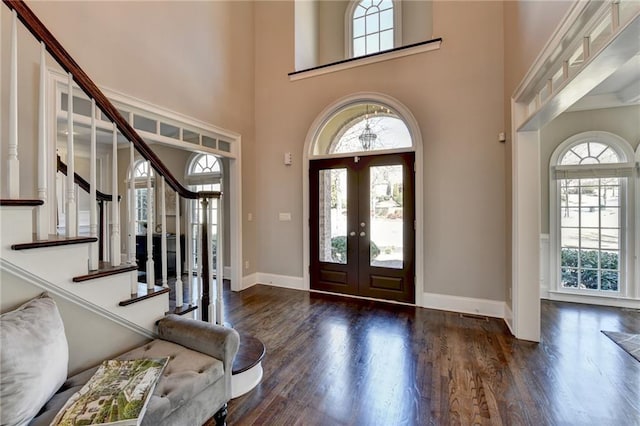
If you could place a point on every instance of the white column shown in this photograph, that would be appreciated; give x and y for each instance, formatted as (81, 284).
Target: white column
(200, 277)
(150, 265)
(13, 165)
(105, 239)
(526, 235)
(163, 230)
(212, 305)
(71, 216)
(220, 265)
(132, 208)
(179, 301)
(115, 206)
(42, 212)
(93, 202)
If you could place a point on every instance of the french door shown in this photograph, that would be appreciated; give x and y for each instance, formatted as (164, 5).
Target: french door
(362, 220)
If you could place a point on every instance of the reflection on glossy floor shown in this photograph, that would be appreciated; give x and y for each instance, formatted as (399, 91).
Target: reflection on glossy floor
(338, 361)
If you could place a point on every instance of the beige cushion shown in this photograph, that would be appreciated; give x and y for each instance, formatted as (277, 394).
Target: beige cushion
(33, 359)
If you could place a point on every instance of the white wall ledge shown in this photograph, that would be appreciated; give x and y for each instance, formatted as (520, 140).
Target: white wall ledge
(398, 52)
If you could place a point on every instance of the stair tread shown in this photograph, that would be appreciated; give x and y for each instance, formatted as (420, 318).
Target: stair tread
(53, 241)
(144, 293)
(105, 269)
(184, 309)
(18, 202)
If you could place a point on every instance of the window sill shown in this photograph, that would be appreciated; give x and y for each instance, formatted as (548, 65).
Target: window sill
(594, 299)
(399, 52)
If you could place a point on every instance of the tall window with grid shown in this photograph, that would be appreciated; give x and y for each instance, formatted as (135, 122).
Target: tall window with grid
(372, 27)
(592, 208)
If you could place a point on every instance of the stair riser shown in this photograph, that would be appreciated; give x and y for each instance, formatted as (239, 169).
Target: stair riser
(55, 264)
(17, 225)
(106, 292)
(145, 312)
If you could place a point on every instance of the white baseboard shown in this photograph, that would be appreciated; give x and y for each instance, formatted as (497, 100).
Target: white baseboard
(618, 302)
(465, 305)
(249, 280)
(544, 292)
(285, 281)
(508, 317)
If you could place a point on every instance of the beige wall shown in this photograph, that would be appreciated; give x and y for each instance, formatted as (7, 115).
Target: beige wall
(307, 36)
(528, 24)
(621, 121)
(459, 110)
(192, 57)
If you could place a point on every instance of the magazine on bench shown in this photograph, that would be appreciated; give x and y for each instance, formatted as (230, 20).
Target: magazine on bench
(117, 394)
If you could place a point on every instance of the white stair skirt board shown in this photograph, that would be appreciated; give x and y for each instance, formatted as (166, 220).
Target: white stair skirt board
(242, 383)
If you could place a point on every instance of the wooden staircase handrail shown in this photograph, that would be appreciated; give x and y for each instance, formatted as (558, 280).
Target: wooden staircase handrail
(83, 184)
(42, 34)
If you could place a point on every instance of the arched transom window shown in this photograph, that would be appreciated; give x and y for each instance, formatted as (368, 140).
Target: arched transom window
(204, 173)
(143, 197)
(372, 27)
(363, 127)
(589, 190)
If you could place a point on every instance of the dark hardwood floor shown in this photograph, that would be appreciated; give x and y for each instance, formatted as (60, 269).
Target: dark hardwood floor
(338, 361)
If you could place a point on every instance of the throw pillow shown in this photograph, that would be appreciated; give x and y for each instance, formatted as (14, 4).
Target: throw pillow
(34, 357)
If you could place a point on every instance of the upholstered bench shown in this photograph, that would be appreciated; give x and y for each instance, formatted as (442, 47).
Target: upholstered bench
(196, 383)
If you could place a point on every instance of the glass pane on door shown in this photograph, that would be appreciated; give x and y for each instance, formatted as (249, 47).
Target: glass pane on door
(332, 217)
(386, 213)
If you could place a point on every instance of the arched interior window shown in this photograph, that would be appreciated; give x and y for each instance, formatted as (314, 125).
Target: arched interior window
(590, 179)
(363, 127)
(143, 198)
(204, 173)
(372, 27)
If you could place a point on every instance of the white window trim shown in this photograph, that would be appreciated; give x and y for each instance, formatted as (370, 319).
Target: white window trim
(416, 137)
(348, 26)
(636, 213)
(628, 286)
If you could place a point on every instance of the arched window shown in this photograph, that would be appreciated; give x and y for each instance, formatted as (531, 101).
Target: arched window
(204, 173)
(372, 26)
(591, 201)
(142, 196)
(363, 127)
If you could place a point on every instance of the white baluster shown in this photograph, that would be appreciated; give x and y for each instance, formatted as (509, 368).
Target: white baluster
(71, 216)
(179, 301)
(76, 189)
(115, 206)
(189, 250)
(13, 165)
(42, 228)
(150, 265)
(132, 208)
(93, 202)
(163, 230)
(220, 265)
(105, 239)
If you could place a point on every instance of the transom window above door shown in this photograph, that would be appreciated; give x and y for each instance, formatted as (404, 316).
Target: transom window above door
(363, 127)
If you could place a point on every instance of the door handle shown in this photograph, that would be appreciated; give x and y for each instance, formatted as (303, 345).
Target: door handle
(352, 233)
(362, 234)
(362, 224)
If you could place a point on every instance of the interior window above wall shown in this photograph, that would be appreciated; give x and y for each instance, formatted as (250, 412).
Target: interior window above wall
(325, 29)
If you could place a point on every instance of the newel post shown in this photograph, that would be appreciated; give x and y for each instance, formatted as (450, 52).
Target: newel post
(206, 273)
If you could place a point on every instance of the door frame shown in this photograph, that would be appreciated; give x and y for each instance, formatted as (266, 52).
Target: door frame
(416, 138)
